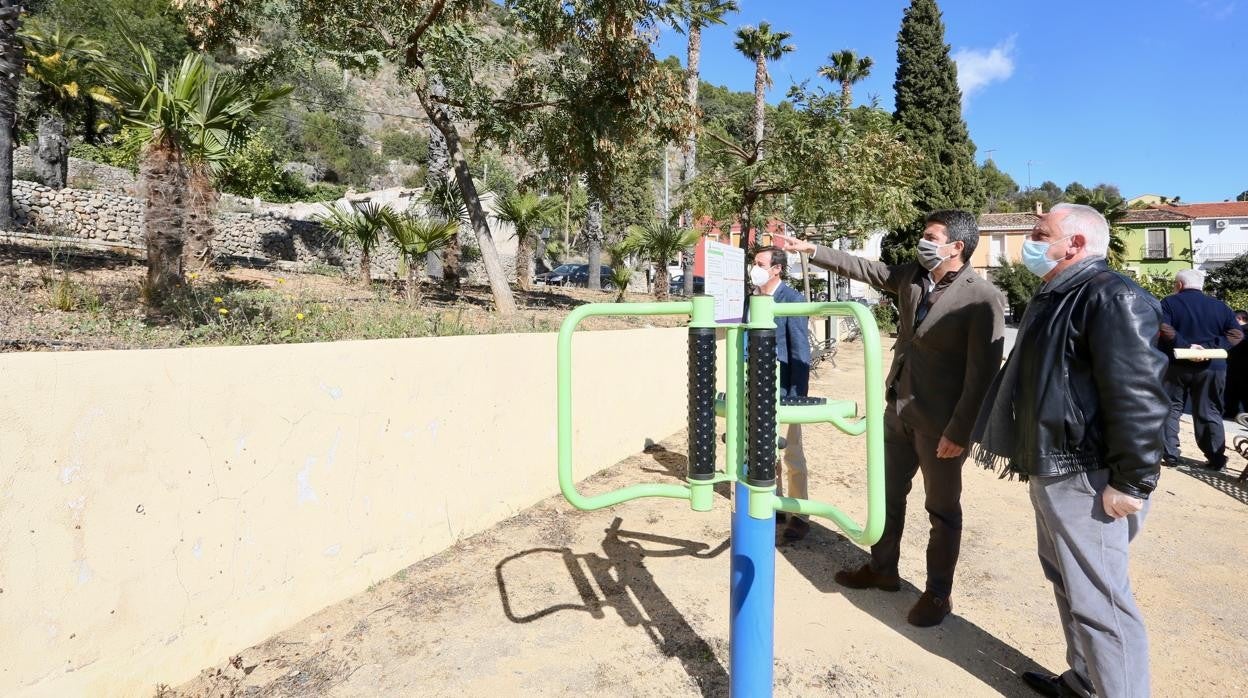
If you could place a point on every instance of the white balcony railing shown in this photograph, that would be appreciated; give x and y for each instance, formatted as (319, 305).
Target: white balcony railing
(1157, 252)
(1221, 252)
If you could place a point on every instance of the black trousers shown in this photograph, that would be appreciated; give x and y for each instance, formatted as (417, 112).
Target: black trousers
(1205, 387)
(905, 453)
(1235, 397)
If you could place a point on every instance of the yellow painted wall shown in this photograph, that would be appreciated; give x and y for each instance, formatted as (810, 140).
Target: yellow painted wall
(160, 510)
(1013, 248)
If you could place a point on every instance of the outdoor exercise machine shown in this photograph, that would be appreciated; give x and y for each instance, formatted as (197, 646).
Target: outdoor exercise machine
(752, 410)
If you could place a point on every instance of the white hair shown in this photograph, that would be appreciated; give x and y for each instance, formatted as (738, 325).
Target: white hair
(1085, 221)
(1191, 278)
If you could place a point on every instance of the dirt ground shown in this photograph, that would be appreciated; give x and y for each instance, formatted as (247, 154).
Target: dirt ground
(633, 600)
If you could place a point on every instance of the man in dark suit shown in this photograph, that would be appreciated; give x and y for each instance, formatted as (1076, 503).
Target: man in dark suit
(1191, 319)
(1237, 374)
(793, 353)
(949, 345)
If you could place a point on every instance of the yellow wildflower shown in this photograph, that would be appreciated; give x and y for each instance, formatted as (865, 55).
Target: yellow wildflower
(280, 280)
(217, 300)
(298, 316)
(223, 311)
(194, 276)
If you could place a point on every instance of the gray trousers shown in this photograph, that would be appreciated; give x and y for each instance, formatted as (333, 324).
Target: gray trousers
(1083, 552)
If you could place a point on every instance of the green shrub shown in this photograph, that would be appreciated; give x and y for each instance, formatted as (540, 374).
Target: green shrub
(1018, 284)
(886, 315)
(337, 146)
(410, 148)
(118, 151)
(1160, 285)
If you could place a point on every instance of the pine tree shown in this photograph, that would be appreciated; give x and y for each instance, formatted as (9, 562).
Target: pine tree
(929, 112)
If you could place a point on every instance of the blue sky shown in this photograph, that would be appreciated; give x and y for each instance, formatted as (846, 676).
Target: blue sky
(1151, 95)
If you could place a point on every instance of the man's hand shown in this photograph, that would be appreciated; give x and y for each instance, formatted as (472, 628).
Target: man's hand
(1118, 504)
(791, 244)
(1197, 346)
(948, 449)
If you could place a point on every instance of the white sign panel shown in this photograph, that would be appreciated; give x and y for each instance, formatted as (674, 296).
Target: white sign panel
(725, 280)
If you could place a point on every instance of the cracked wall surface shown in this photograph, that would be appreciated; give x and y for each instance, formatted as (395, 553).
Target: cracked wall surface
(161, 510)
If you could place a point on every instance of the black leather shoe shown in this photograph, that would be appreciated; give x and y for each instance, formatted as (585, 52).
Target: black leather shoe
(1047, 684)
(796, 529)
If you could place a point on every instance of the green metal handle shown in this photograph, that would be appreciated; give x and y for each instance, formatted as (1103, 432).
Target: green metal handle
(872, 424)
(567, 484)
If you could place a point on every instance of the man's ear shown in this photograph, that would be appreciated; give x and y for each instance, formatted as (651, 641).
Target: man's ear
(1078, 240)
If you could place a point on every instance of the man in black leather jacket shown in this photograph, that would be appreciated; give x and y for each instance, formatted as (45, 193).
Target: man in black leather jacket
(1079, 411)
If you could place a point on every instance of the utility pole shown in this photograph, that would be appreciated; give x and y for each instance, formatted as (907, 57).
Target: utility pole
(988, 153)
(1029, 164)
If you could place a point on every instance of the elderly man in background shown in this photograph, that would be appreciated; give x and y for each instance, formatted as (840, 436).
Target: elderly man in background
(1078, 411)
(1191, 319)
(949, 344)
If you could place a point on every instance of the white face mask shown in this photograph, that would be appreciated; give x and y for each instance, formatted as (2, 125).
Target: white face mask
(759, 276)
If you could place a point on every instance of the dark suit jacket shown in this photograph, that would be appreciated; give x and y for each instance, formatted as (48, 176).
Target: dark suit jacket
(792, 345)
(1190, 317)
(941, 370)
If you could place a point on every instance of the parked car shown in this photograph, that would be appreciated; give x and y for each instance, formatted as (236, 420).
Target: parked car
(580, 276)
(676, 285)
(559, 276)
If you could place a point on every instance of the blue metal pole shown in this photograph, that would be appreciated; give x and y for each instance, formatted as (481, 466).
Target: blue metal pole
(753, 599)
(753, 575)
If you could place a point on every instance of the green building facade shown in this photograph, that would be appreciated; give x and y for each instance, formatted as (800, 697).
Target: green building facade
(1158, 242)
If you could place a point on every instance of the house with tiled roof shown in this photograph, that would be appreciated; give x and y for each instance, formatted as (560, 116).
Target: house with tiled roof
(1219, 231)
(1158, 241)
(1001, 237)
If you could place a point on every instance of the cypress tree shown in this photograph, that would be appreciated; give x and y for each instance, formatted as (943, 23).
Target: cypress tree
(929, 112)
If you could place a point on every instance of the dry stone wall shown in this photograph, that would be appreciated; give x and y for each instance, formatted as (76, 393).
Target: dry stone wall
(259, 235)
(83, 174)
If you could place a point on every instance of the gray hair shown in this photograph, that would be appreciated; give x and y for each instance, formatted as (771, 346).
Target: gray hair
(1085, 221)
(1191, 278)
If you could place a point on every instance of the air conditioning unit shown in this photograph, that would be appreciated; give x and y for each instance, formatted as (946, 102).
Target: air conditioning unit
(1219, 224)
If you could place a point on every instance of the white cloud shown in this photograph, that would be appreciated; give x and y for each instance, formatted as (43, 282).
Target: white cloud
(977, 69)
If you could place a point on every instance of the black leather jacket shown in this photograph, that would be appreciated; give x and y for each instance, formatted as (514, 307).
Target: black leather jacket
(1089, 391)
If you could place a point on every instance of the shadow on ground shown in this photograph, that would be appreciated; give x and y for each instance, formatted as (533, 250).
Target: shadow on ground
(1225, 481)
(676, 466)
(981, 654)
(628, 587)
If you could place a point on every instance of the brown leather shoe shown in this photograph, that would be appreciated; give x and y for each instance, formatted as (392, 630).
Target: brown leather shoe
(866, 578)
(929, 610)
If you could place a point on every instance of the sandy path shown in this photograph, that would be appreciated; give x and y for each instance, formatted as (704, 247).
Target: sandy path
(633, 601)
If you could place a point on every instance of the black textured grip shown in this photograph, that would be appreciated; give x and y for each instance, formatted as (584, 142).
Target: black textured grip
(802, 401)
(760, 456)
(701, 403)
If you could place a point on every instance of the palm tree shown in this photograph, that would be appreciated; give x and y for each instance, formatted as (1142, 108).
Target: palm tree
(184, 119)
(696, 14)
(527, 213)
(416, 238)
(62, 66)
(360, 225)
(846, 68)
(659, 242)
(760, 44)
(443, 200)
(10, 80)
(621, 269)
